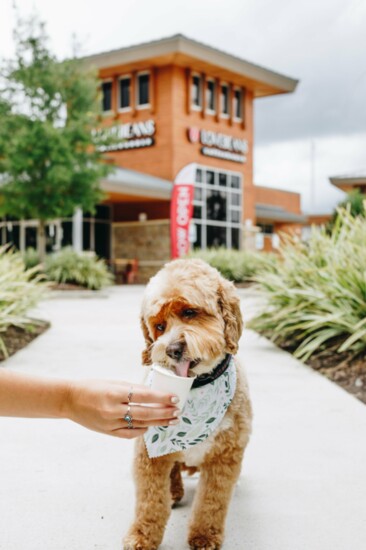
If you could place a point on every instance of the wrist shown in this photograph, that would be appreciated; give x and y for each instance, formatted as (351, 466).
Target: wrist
(67, 391)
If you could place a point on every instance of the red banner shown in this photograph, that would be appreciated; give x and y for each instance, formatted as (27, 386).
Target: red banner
(180, 218)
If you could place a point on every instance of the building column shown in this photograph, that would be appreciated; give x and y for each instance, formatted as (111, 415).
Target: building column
(77, 230)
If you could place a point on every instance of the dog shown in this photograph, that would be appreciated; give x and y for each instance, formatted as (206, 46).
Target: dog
(191, 322)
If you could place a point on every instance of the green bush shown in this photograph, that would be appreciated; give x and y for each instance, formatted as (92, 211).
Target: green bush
(316, 297)
(237, 265)
(84, 269)
(20, 290)
(31, 258)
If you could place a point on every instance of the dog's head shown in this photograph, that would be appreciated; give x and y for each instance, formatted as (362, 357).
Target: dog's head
(190, 318)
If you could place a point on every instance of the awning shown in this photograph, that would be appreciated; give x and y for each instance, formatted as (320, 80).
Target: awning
(271, 213)
(349, 180)
(130, 182)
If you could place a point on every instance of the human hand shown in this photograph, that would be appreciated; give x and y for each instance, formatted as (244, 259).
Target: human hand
(101, 406)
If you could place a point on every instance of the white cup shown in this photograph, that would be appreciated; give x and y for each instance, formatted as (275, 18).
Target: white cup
(166, 381)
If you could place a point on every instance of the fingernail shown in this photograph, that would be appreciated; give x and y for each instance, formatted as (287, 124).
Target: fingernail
(173, 422)
(175, 399)
(176, 413)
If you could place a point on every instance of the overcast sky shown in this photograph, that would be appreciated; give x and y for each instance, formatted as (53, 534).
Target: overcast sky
(320, 42)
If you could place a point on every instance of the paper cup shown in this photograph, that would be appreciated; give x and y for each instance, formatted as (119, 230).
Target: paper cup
(166, 381)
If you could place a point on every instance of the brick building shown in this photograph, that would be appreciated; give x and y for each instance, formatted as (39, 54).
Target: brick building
(174, 103)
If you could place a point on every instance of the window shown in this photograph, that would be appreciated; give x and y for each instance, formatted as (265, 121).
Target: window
(210, 96)
(196, 92)
(125, 92)
(237, 107)
(143, 92)
(217, 208)
(224, 99)
(107, 96)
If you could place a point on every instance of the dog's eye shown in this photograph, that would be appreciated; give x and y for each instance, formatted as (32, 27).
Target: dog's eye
(189, 313)
(160, 327)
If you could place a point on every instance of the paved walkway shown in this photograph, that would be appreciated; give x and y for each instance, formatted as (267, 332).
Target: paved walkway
(303, 485)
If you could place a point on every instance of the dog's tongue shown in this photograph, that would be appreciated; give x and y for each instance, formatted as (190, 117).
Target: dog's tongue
(182, 368)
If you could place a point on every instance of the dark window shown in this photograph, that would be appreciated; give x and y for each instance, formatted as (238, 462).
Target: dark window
(237, 104)
(67, 233)
(198, 241)
(124, 93)
(210, 95)
(197, 212)
(106, 96)
(234, 237)
(223, 180)
(224, 99)
(216, 236)
(266, 228)
(143, 89)
(210, 177)
(199, 175)
(216, 206)
(196, 91)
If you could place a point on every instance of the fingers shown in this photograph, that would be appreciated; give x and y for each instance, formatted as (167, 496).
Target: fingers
(139, 412)
(126, 433)
(142, 394)
(121, 423)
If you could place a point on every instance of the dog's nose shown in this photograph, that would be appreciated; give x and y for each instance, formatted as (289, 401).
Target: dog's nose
(175, 350)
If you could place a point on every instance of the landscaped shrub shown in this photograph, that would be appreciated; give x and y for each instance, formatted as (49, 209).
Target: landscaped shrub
(317, 295)
(20, 290)
(84, 269)
(237, 265)
(31, 258)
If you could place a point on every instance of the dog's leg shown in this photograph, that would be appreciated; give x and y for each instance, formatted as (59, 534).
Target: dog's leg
(153, 501)
(176, 484)
(219, 473)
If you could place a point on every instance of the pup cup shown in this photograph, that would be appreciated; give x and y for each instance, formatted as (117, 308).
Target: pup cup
(166, 381)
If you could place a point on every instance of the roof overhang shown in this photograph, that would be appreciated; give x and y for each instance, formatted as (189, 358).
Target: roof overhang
(348, 181)
(131, 183)
(183, 51)
(268, 213)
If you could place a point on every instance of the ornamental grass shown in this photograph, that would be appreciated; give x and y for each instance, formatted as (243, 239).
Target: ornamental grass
(20, 290)
(316, 295)
(84, 269)
(237, 265)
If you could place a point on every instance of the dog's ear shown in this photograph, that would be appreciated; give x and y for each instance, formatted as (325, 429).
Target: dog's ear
(230, 309)
(146, 354)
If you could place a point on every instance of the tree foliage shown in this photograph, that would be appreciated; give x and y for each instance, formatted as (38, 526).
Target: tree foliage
(49, 157)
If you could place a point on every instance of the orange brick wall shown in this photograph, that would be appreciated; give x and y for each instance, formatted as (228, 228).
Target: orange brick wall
(172, 149)
(277, 197)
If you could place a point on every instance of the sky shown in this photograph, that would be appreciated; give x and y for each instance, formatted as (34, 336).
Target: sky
(300, 139)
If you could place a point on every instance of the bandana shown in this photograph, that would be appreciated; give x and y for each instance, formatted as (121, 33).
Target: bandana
(201, 415)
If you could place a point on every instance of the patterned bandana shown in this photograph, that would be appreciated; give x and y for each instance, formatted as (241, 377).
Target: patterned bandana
(202, 413)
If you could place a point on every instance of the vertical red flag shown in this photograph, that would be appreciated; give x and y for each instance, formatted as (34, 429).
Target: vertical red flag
(181, 210)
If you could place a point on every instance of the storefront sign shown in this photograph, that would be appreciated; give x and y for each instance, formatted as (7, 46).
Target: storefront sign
(219, 145)
(181, 210)
(132, 135)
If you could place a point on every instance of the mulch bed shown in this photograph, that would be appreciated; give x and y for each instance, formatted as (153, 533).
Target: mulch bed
(345, 369)
(16, 338)
(66, 286)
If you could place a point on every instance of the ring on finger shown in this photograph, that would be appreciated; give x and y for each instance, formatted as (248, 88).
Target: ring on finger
(129, 397)
(128, 417)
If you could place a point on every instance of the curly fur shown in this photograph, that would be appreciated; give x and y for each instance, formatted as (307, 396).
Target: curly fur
(213, 331)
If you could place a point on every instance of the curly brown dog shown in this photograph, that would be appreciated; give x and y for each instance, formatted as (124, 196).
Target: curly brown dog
(192, 323)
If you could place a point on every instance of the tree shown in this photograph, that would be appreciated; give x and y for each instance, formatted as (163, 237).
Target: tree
(355, 203)
(50, 160)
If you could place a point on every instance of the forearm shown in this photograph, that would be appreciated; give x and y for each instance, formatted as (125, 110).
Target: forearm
(31, 397)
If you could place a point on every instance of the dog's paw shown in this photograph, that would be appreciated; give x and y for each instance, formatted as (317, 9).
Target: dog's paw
(138, 542)
(204, 541)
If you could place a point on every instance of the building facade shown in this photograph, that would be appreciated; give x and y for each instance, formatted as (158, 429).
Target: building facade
(170, 104)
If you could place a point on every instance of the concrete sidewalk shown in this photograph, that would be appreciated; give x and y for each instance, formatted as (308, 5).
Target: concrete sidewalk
(303, 484)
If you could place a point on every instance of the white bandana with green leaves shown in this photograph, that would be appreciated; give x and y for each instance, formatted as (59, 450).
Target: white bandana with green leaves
(202, 413)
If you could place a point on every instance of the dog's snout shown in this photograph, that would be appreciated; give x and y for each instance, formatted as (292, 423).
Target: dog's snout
(175, 350)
